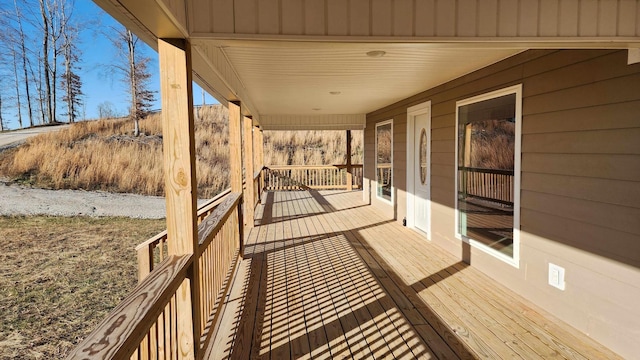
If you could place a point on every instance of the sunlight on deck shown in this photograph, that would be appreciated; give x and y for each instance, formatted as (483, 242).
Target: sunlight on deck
(325, 276)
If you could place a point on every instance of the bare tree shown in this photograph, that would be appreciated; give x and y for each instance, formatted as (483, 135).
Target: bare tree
(71, 81)
(46, 26)
(17, 83)
(22, 41)
(106, 110)
(133, 66)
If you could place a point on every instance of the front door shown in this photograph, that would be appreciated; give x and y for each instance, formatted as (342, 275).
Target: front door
(421, 137)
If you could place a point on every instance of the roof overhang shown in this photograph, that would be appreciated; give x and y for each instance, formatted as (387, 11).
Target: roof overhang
(310, 70)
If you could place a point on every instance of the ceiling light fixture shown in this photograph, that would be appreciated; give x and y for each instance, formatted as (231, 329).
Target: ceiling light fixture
(335, 92)
(376, 53)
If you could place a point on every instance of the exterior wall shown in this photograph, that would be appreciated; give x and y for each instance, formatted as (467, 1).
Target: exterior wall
(580, 193)
(425, 18)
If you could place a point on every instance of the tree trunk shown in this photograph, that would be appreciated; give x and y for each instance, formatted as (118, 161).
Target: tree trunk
(24, 63)
(133, 84)
(45, 59)
(1, 118)
(15, 73)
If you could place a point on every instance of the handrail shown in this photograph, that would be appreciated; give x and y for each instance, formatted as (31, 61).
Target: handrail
(485, 170)
(120, 333)
(202, 209)
(494, 185)
(296, 177)
(286, 167)
(212, 224)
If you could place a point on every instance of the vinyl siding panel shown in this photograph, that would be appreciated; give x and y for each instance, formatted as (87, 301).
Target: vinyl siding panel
(409, 18)
(580, 191)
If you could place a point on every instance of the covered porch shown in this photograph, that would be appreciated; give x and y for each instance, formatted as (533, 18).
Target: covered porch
(326, 276)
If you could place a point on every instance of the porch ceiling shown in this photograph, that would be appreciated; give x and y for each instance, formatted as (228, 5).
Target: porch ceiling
(321, 78)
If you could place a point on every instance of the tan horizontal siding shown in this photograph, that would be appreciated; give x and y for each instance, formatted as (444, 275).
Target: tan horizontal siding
(616, 192)
(424, 18)
(623, 218)
(609, 141)
(589, 118)
(615, 167)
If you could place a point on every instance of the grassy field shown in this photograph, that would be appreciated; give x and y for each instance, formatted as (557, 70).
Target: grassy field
(60, 276)
(103, 155)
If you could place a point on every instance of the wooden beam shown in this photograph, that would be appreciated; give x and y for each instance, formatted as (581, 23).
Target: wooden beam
(180, 181)
(349, 170)
(235, 147)
(249, 192)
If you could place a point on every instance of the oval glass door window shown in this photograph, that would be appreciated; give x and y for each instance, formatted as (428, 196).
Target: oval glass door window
(423, 156)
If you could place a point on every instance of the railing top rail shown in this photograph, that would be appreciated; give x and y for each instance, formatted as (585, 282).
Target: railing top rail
(485, 170)
(213, 202)
(120, 333)
(287, 167)
(212, 223)
(202, 209)
(161, 235)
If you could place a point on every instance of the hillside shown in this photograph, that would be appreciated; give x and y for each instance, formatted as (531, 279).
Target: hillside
(103, 155)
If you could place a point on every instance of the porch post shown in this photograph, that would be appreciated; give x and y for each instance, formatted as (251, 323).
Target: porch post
(256, 159)
(235, 162)
(235, 147)
(349, 170)
(249, 193)
(180, 182)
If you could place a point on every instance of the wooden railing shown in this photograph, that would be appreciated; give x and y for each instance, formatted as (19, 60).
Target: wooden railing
(299, 177)
(154, 250)
(145, 324)
(487, 184)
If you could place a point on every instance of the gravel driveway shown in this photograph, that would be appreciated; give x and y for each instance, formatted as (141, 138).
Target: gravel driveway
(20, 200)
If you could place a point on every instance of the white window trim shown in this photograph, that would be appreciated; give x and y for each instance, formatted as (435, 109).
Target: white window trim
(412, 113)
(392, 201)
(515, 261)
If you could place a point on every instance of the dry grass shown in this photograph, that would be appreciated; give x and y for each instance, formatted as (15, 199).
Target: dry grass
(103, 155)
(311, 147)
(60, 276)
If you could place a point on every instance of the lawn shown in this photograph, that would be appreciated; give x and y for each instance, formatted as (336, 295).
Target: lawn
(60, 276)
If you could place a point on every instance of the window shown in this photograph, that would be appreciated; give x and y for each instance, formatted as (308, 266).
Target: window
(488, 131)
(423, 157)
(384, 160)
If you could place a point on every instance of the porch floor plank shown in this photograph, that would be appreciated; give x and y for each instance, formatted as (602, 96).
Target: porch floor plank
(325, 276)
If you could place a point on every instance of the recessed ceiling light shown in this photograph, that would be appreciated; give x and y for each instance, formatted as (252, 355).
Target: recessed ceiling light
(316, 109)
(335, 92)
(376, 53)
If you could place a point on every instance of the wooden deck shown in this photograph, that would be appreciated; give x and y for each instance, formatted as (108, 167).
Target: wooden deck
(325, 276)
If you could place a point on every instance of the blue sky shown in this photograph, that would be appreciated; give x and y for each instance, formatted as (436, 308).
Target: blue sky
(97, 51)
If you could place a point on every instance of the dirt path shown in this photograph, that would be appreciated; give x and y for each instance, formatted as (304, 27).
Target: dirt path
(19, 200)
(12, 138)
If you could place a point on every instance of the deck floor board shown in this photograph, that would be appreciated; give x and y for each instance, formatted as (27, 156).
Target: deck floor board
(325, 276)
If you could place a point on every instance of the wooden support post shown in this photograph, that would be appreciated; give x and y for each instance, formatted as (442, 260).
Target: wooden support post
(256, 159)
(260, 150)
(249, 193)
(235, 146)
(349, 169)
(235, 162)
(180, 182)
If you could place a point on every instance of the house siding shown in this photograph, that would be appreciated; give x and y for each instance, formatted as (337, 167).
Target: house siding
(580, 191)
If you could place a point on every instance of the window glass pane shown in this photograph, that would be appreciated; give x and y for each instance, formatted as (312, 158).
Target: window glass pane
(383, 160)
(486, 146)
(423, 156)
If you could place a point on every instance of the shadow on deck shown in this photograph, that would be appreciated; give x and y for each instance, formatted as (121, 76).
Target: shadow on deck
(325, 276)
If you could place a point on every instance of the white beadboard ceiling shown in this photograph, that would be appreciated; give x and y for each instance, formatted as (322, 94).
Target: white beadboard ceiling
(296, 78)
